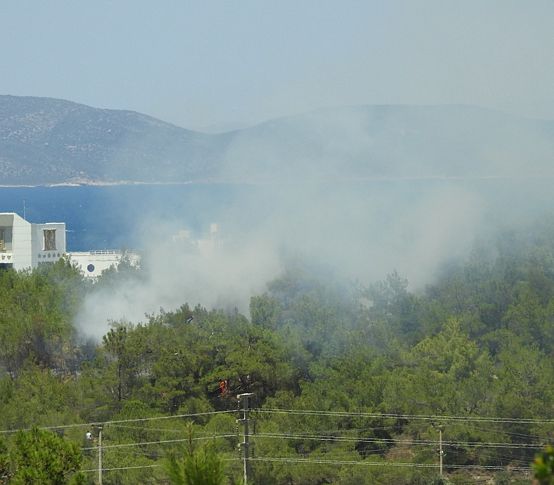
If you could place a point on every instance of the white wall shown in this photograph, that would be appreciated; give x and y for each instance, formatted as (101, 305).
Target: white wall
(92, 263)
(22, 246)
(27, 242)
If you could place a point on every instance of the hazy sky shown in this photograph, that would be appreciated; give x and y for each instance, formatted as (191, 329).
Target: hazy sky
(213, 63)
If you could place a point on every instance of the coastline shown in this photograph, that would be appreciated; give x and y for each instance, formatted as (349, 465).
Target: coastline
(415, 178)
(94, 183)
(124, 183)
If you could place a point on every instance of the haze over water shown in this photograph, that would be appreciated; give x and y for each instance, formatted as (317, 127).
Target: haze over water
(113, 217)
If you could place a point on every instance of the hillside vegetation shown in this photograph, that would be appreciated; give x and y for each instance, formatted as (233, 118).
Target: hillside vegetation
(352, 385)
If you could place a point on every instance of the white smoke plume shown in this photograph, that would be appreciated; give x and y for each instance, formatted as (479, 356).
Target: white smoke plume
(362, 191)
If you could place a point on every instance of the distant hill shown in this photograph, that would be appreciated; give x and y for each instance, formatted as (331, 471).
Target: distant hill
(45, 140)
(396, 141)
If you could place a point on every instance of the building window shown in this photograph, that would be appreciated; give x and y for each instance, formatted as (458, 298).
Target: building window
(49, 240)
(2, 240)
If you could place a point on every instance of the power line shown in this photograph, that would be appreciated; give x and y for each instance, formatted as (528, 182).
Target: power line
(491, 419)
(330, 438)
(316, 460)
(121, 468)
(305, 412)
(328, 431)
(340, 462)
(137, 467)
(527, 446)
(145, 428)
(404, 442)
(160, 442)
(118, 421)
(389, 463)
(155, 430)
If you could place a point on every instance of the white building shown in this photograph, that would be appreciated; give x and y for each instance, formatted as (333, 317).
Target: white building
(92, 263)
(24, 245)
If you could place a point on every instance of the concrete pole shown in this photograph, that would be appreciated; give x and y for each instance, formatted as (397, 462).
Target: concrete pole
(100, 456)
(244, 399)
(440, 452)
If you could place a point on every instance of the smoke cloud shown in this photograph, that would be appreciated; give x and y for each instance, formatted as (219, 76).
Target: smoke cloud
(362, 191)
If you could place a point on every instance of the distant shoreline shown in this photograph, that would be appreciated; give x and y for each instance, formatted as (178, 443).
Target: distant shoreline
(112, 184)
(123, 183)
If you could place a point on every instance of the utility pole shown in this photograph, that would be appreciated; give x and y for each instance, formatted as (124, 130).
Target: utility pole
(245, 445)
(99, 455)
(441, 453)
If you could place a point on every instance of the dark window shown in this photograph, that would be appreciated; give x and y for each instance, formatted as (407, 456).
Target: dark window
(90, 268)
(49, 239)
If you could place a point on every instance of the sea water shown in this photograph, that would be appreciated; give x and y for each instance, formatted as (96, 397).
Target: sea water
(110, 217)
(115, 216)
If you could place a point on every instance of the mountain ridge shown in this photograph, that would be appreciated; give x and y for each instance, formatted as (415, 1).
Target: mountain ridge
(52, 141)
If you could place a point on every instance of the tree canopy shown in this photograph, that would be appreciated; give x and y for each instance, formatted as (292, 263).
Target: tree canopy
(352, 384)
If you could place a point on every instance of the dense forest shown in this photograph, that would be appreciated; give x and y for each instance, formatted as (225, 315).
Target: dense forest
(351, 383)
